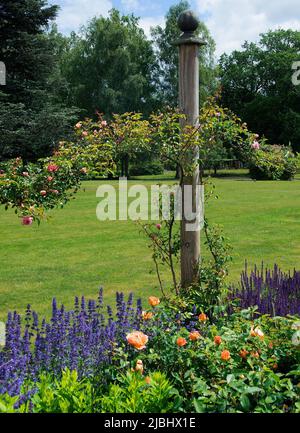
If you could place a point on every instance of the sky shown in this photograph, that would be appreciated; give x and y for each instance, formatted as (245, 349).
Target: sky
(230, 22)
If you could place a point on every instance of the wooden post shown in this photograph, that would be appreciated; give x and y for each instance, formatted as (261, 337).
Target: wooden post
(189, 105)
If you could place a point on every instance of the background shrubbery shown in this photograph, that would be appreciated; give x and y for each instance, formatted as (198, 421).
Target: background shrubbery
(273, 163)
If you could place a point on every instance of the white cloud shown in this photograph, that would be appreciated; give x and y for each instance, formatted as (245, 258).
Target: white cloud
(148, 22)
(74, 13)
(231, 22)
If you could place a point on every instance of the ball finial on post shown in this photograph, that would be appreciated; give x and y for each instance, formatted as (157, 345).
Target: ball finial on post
(188, 22)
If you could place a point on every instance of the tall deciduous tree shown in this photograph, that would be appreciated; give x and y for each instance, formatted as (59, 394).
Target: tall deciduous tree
(110, 66)
(257, 85)
(30, 120)
(167, 78)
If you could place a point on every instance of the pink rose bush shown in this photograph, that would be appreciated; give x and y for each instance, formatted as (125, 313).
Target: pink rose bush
(33, 189)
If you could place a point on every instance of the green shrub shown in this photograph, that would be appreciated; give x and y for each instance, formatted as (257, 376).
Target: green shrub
(8, 404)
(273, 163)
(258, 391)
(65, 395)
(134, 395)
(131, 393)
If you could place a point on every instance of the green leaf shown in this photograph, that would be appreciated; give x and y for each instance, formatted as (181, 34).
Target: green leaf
(245, 403)
(253, 390)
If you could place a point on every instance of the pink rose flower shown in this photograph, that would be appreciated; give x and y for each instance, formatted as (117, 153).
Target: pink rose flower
(103, 123)
(255, 145)
(43, 193)
(52, 168)
(50, 178)
(78, 125)
(158, 226)
(27, 220)
(25, 174)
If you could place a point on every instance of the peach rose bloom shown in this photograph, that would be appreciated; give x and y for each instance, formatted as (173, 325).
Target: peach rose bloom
(202, 317)
(78, 125)
(194, 335)
(147, 315)
(181, 342)
(153, 301)
(257, 332)
(225, 355)
(148, 380)
(243, 353)
(137, 339)
(217, 340)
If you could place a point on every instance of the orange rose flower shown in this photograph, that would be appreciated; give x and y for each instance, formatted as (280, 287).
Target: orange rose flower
(148, 380)
(225, 355)
(181, 342)
(137, 339)
(255, 354)
(202, 317)
(147, 315)
(153, 301)
(218, 340)
(243, 353)
(194, 335)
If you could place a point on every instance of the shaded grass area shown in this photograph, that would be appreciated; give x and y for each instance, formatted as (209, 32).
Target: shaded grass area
(74, 253)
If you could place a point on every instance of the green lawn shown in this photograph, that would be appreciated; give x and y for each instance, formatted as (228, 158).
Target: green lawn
(74, 253)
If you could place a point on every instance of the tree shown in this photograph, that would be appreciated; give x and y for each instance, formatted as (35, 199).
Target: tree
(31, 120)
(109, 66)
(257, 85)
(163, 40)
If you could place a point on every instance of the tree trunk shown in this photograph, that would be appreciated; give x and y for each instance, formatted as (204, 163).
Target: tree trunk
(178, 174)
